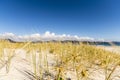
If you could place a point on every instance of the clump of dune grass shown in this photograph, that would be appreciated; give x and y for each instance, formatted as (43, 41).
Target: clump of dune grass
(77, 58)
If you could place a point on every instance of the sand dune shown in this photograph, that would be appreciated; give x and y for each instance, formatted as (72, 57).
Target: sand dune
(21, 67)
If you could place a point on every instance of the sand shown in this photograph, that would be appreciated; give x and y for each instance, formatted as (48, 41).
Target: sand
(20, 65)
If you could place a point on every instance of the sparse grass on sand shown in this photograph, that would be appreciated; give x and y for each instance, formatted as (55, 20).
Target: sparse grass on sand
(58, 61)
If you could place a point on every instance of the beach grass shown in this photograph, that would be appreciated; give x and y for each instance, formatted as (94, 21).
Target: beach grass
(81, 60)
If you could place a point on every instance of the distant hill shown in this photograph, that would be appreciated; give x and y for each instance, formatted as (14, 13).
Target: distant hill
(98, 43)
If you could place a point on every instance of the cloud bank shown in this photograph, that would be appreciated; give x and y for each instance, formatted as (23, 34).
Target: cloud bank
(47, 36)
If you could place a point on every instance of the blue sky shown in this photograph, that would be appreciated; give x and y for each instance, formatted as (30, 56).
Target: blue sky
(93, 18)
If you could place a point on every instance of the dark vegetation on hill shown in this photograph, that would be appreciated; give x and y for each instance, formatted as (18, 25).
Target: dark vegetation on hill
(101, 43)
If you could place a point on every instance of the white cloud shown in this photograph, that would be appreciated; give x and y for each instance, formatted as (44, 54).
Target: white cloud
(47, 34)
(8, 34)
(44, 37)
(36, 36)
(101, 39)
(87, 38)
